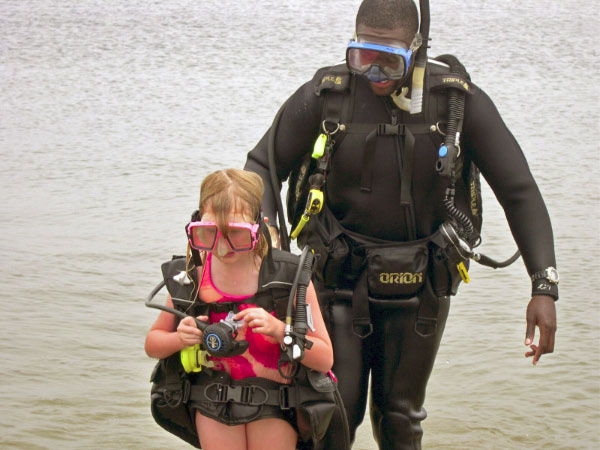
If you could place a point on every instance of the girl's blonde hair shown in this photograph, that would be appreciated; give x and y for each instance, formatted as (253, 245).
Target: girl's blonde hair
(233, 191)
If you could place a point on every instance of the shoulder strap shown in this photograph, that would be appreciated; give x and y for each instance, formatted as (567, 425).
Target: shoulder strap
(274, 286)
(336, 87)
(181, 282)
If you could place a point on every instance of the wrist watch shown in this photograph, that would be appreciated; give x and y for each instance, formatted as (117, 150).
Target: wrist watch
(550, 274)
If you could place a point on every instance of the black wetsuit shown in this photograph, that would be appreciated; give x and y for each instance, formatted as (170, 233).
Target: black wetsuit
(399, 359)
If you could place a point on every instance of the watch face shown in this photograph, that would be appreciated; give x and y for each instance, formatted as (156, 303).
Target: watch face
(552, 274)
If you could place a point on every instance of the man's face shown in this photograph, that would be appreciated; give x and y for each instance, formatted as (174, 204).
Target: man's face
(398, 38)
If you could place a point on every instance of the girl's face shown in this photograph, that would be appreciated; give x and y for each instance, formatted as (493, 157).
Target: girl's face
(222, 250)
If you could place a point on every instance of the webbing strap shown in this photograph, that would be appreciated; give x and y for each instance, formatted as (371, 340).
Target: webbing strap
(264, 300)
(429, 305)
(361, 317)
(386, 129)
(407, 172)
(286, 396)
(366, 128)
(337, 109)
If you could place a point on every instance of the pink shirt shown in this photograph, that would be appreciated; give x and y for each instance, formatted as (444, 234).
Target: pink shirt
(260, 360)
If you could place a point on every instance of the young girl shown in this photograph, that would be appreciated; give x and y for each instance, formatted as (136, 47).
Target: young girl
(225, 235)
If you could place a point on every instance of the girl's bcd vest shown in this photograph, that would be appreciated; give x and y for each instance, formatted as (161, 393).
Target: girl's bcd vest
(314, 395)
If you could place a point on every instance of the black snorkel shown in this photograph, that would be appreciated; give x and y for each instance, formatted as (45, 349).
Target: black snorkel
(418, 78)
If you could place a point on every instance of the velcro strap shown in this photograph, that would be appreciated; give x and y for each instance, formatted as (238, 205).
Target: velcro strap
(361, 317)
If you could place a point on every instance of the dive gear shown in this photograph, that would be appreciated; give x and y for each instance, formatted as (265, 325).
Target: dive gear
(218, 338)
(193, 358)
(550, 274)
(241, 237)
(182, 383)
(392, 62)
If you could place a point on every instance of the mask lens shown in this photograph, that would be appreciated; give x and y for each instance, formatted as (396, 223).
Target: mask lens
(240, 239)
(360, 60)
(203, 236)
(366, 57)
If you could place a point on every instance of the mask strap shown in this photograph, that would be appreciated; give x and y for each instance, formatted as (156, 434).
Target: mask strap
(264, 230)
(196, 216)
(416, 42)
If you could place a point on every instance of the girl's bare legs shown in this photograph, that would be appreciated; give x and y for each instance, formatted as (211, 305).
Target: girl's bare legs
(272, 434)
(217, 436)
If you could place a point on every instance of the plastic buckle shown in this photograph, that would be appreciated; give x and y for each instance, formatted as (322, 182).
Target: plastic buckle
(386, 129)
(360, 325)
(425, 326)
(179, 395)
(238, 394)
(248, 394)
(315, 201)
(187, 388)
(221, 392)
(284, 397)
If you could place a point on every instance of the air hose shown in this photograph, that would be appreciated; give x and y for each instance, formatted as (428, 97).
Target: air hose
(283, 234)
(218, 338)
(296, 325)
(489, 262)
(301, 281)
(466, 226)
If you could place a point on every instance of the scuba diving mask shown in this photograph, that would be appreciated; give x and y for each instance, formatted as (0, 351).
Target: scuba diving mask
(380, 62)
(240, 237)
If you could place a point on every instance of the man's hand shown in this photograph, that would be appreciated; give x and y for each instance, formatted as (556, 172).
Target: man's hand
(541, 312)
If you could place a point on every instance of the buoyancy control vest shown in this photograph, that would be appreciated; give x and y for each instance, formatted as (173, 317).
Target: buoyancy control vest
(335, 86)
(311, 398)
(440, 119)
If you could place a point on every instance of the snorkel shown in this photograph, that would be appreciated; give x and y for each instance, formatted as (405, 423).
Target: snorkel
(416, 102)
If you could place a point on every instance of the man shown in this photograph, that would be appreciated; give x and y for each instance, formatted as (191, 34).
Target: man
(395, 197)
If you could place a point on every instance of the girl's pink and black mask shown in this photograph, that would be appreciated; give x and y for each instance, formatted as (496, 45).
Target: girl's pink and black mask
(203, 235)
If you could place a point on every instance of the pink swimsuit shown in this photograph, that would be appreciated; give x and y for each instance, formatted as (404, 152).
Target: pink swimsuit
(260, 360)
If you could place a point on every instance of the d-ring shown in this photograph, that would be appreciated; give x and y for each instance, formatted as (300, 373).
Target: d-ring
(438, 129)
(330, 133)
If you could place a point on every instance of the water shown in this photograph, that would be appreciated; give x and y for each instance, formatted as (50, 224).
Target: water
(112, 112)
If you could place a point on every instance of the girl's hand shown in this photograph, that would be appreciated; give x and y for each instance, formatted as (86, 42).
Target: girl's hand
(262, 322)
(189, 334)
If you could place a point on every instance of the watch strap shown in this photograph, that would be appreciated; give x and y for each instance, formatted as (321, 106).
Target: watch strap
(541, 286)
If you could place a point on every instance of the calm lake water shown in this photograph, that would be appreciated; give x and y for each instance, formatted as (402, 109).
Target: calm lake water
(113, 111)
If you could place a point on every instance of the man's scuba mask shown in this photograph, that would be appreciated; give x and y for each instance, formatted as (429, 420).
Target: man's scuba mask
(380, 62)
